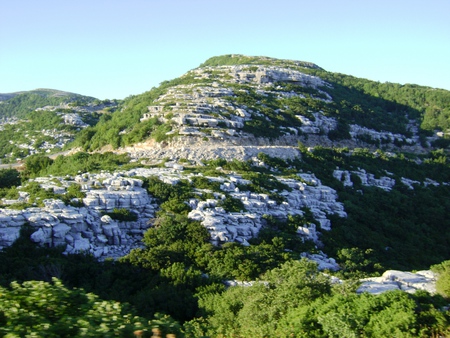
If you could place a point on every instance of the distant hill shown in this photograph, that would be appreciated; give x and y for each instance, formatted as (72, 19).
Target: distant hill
(44, 120)
(20, 103)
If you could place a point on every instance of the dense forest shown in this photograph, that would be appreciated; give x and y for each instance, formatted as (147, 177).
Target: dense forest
(178, 282)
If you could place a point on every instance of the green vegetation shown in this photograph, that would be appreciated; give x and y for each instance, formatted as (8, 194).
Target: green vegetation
(123, 127)
(52, 310)
(379, 106)
(179, 272)
(28, 129)
(443, 282)
(391, 101)
(397, 225)
(290, 299)
(122, 215)
(80, 162)
(236, 59)
(9, 178)
(297, 301)
(25, 102)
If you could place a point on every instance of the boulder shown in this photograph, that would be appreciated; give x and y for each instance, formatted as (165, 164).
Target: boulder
(42, 236)
(60, 230)
(8, 236)
(81, 245)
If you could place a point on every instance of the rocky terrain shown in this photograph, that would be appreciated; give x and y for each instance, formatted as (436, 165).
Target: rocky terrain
(208, 119)
(86, 229)
(230, 112)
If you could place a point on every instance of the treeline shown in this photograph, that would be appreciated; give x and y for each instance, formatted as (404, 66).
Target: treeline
(80, 162)
(386, 105)
(237, 59)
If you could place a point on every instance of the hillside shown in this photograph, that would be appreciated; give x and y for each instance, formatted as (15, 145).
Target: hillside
(237, 100)
(44, 121)
(220, 197)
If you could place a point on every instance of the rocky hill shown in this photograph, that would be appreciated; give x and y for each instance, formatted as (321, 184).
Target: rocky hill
(320, 139)
(236, 101)
(243, 169)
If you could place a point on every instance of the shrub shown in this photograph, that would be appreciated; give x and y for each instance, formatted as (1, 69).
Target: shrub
(122, 215)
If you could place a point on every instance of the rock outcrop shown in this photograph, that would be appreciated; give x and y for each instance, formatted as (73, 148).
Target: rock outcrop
(88, 228)
(399, 280)
(367, 179)
(307, 193)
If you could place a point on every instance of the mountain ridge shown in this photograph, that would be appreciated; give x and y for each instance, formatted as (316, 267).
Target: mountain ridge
(45, 92)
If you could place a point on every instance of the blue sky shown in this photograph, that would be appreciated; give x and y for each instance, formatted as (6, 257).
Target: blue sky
(116, 48)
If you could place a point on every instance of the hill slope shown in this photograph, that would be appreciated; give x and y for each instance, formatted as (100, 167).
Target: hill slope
(44, 120)
(243, 100)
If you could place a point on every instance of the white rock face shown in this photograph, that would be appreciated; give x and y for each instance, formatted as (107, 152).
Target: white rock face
(74, 119)
(398, 280)
(8, 235)
(85, 228)
(323, 262)
(357, 131)
(385, 183)
(320, 124)
(307, 192)
(271, 74)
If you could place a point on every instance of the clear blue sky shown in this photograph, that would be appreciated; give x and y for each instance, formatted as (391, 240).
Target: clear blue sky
(116, 48)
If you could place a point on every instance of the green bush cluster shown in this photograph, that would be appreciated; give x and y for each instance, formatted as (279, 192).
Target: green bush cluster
(39, 309)
(80, 162)
(9, 178)
(122, 215)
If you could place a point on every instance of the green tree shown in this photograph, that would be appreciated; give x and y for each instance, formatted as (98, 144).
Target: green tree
(37, 163)
(42, 309)
(9, 178)
(443, 281)
(256, 310)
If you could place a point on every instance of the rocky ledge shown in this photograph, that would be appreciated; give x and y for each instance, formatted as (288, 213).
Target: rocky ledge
(89, 229)
(86, 228)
